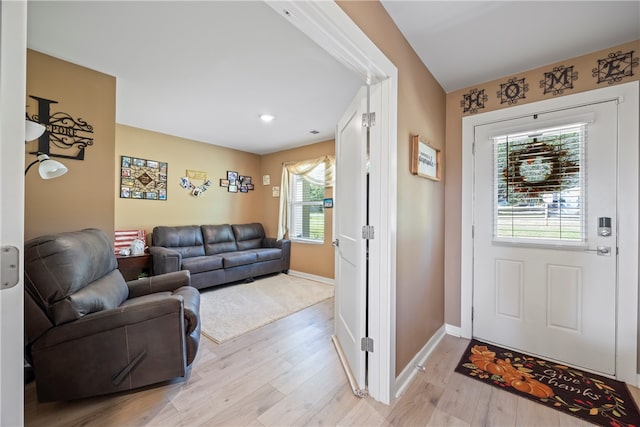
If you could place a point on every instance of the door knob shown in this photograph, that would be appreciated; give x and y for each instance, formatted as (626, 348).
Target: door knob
(336, 243)
(601, 250)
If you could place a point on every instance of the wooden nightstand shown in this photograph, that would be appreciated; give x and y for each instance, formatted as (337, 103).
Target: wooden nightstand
(133, 267)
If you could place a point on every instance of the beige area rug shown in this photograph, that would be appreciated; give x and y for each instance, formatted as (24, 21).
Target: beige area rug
(229, 311)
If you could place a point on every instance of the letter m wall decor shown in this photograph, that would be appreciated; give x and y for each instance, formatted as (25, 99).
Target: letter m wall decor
(64, 133)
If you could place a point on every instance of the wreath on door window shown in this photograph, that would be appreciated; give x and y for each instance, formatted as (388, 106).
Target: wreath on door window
(538, 167)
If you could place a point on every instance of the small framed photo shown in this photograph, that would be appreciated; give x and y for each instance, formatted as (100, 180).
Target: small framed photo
(163, 168)
(126, 162)
(125, 192)
(250, 187)
(184, 182)
(127, 181)
(152, 164)
(425, 159)
(139, 162)
(224, 183)
(162, 194)
(232, 188)
(151, 196)
(162, 177)
(244, 189)
(137, 195)
(247, 180)
(328, 203)
(232, 176)
(126, 172)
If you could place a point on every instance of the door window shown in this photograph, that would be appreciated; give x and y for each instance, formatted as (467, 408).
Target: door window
(539, 186)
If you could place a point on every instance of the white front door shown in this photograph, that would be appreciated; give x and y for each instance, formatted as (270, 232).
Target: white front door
(350, 215)
(544, 270)
(13, 51)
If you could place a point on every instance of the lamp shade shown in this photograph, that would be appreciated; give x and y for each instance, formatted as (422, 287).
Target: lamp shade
(50, 168)
(32, 130)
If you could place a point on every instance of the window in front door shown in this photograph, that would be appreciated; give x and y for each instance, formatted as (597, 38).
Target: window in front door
(539, 186)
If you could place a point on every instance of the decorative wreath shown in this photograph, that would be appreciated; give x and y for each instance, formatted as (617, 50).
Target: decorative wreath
(538, 167)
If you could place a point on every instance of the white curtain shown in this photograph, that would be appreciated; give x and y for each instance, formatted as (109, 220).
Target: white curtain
(302, 168)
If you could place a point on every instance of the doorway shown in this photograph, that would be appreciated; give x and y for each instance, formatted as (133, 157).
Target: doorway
(624, 218)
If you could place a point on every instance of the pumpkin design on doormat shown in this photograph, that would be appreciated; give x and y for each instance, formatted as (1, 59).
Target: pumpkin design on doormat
(593, 398)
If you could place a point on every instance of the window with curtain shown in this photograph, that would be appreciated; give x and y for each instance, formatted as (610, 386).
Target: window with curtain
(306, 219)
(539, 186)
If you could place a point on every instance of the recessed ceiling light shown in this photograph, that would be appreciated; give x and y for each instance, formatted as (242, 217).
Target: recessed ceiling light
(267, 117)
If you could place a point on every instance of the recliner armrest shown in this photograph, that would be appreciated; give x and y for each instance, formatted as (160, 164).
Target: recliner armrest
(161, 283)
(165, 260)
(143, 309)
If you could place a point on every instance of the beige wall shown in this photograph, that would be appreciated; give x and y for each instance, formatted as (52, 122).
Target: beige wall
(420, 227)
(308, 258)
(83, 197)
(583, 65)
(215, 206)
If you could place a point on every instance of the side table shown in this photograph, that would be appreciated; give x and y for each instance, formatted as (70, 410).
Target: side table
(133, 267)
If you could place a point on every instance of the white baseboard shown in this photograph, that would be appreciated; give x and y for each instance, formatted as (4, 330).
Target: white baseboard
(320, 279)
(409, 372)
(455, 331)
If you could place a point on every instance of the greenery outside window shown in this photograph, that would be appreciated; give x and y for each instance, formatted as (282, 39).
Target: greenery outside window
(306, 218)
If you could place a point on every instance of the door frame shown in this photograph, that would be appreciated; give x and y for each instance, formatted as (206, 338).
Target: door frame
(628, 95)
(329, 26)
(13, 79)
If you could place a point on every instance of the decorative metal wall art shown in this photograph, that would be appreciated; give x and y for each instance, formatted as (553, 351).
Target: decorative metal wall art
(142, 179)
(63, 132)
(558, 79)
(473, 101)
(187, 182)
(513, 90)
(615, 67)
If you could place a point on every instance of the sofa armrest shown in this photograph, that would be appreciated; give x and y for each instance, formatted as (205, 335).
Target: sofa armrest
(144, 309)
(284, 245)
(165, 260)
(162, 283)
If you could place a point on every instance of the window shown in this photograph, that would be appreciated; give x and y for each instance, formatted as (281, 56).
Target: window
(539, 193)
(306, 219)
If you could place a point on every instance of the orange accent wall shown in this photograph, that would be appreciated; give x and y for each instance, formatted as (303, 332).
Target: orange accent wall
(83, 197)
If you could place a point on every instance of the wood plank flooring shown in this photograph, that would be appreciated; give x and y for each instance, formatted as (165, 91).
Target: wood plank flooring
(288, 374)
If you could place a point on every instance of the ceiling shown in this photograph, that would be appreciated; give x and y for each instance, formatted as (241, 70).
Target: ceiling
(206, 70)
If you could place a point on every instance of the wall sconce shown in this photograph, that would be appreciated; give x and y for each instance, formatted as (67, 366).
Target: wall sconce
(48, 168)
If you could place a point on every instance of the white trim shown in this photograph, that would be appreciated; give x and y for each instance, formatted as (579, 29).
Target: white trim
(454, 331)
(411, 370)
(13, 77)
(329, 26)
(628, 185)
(320, 279)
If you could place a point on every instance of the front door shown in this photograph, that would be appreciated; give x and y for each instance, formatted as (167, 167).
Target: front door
(545, 242)
(350, 216)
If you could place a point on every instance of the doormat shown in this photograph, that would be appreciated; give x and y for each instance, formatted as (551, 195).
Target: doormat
(588, 396)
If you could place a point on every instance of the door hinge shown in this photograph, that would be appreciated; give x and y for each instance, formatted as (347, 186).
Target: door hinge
(473, 148)
(472, 314)
(368, 120)
(10, 273)
(368, 232)
(366, 344)
(473, 231)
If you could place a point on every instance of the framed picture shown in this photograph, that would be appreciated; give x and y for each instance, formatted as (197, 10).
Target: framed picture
(328, 203)
(232, 176)
(224, 183)
(250, 187)
(244, 189)
(232, 188)
(425, 159)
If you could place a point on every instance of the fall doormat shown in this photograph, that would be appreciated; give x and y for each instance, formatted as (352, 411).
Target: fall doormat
(591, 397)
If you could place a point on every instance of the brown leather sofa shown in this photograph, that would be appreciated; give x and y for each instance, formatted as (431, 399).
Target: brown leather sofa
(217, 254)
(89, 332)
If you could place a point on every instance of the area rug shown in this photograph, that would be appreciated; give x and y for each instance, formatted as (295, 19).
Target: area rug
(593, 398)
(230, 311)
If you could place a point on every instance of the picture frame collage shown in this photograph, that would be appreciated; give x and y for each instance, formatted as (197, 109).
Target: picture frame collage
(143, 179)
(236, 183)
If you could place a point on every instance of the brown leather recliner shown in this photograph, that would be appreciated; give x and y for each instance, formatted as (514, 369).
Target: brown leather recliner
(89, 332)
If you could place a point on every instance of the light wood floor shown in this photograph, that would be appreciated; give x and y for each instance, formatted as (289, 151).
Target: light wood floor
(287, 374)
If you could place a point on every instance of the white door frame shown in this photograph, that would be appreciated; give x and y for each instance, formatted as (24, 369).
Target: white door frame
(13, 77)
(628, 172)
(329, 26)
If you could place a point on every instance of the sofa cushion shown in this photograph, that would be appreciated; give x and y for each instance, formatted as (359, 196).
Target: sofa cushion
(185, 239)
(218, 239)
(202, 263)
(267, 254)
(248, 236)
(235, 259)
